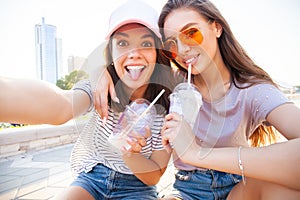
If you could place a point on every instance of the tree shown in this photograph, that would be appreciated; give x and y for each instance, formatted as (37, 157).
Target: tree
(67, 82)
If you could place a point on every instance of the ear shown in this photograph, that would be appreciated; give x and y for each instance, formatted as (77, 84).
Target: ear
(218, 29)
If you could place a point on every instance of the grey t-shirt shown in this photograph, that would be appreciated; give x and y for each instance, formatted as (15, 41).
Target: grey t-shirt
(230, 121)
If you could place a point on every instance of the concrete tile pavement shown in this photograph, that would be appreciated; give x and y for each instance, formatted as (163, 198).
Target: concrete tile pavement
(35, 175)
(42, 175)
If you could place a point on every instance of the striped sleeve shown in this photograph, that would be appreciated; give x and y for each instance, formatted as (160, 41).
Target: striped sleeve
(156, 135)
(85, 86)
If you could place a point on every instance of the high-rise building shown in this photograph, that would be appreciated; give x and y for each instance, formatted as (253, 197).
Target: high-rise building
(48, 52)
(60, 71)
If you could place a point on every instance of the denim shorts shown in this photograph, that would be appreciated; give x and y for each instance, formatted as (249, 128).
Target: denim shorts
(203, 184)
(104, 183)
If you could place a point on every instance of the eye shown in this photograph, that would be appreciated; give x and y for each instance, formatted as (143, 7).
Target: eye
(122, 43)
(191, 32)
(147, 44)
(173, 39)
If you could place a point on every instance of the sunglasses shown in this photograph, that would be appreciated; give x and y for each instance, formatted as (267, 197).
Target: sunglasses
(192, 36)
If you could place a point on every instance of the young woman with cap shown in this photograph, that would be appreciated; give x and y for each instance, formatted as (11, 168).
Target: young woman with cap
(138, 70)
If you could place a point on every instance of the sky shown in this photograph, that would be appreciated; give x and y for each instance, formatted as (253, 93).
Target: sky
(269, 30)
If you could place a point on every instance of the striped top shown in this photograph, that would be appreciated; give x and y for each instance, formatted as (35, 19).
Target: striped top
(92, 146)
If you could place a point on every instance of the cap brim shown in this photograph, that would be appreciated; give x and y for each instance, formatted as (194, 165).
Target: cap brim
(130, 21)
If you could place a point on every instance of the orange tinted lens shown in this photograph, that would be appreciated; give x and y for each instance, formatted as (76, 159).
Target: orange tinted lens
(170, 49)
(191, 36)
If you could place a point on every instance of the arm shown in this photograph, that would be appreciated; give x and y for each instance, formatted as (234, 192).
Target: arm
(149, 171)
(103, 86)
(100, 79)
(283, 158)
(38, 102)
(257, 162)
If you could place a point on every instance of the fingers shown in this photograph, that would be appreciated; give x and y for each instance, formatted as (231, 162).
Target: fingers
(166, 139)
(166, 144)
(148, 132)
(96, 100)
(172, 122)
(136, 141)
(136, 144)
(173, 116)
(112, 92)
(100, 96)
(103, 106)
(142, 141)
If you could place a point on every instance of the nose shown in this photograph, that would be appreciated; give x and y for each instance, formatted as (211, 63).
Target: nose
(182, 48)
(134, 53)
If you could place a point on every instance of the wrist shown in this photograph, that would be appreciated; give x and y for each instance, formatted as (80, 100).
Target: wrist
(190, 156)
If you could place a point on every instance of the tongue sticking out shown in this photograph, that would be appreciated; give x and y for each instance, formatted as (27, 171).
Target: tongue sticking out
(135, 71)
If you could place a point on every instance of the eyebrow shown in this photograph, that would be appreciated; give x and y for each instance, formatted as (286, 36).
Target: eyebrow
(188, 25)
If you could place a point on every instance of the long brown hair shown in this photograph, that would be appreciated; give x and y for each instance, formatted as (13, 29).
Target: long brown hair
(241, 67)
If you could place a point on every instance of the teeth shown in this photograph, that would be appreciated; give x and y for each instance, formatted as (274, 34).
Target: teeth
(189, 60)
(135, 67)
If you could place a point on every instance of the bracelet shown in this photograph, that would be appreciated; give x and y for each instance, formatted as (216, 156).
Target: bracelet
(241, 165)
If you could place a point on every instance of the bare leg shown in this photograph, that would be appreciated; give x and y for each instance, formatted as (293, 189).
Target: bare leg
(261, 190)
(75, 193)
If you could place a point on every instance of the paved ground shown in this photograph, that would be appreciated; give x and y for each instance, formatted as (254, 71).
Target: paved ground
(43, 174)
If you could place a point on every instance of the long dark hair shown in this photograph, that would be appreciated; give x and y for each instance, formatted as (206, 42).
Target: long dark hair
(241, 67)
(161, 78)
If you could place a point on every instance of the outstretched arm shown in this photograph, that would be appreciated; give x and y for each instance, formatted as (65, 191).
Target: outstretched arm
(30, 101)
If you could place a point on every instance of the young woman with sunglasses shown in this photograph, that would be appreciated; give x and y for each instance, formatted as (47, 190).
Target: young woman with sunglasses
(241, 108)
(137, 69)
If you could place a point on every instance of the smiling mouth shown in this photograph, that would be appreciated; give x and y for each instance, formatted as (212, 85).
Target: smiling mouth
(190, 60)
(135, 71)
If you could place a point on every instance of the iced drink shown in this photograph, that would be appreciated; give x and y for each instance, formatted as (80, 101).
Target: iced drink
(186, 100)
(133, 118)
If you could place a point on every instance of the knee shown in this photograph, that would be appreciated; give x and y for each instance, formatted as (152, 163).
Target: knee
(262, 190)
(252, 190)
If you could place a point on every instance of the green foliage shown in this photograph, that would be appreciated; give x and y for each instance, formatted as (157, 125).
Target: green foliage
(297, 88)
(8, 125)
(68, 81)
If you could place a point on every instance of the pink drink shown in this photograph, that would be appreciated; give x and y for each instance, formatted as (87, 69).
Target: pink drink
(132, 120)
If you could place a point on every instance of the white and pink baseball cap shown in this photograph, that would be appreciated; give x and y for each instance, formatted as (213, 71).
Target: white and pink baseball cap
(134, 11)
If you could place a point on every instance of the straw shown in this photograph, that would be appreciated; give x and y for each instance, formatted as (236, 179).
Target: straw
(144, 113)
(152, 103)
(189, 73)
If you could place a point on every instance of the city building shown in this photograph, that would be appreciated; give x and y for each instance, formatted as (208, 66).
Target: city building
(48, 53)
(76, 63)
